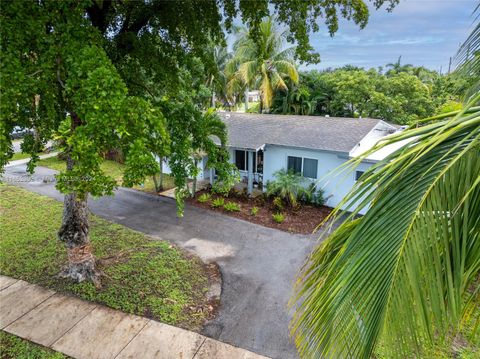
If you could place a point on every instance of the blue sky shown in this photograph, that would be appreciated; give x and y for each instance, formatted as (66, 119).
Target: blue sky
(423, 32)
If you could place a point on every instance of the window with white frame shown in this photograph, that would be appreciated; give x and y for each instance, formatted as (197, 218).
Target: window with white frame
(308, 167)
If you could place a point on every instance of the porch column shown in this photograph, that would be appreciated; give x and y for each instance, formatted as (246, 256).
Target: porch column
(212, 173)
(250, 172)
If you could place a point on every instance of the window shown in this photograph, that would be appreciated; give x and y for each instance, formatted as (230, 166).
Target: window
(240, 160)
(358, 174)
(310, 167)
(294, 164)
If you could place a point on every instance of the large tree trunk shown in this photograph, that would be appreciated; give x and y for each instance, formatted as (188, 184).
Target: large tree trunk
(246, 99)
(75, 234)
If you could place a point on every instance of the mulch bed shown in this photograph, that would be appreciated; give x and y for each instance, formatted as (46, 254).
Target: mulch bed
(303, 220)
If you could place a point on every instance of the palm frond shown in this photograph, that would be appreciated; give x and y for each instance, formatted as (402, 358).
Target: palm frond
(266, 89)
(248, 71)
(401, 274)
(288, 68)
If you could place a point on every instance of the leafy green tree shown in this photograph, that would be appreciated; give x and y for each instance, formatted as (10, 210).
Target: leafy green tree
(353, 90)
(404, 99)
(264, 62)
(106, 75)
(211, 131)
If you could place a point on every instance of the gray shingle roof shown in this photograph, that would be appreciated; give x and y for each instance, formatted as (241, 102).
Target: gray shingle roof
(251, 131)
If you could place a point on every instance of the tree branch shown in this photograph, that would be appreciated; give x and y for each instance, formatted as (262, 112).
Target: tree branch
(98, 14)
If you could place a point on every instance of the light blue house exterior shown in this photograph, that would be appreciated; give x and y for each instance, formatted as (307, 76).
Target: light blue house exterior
(313, 146)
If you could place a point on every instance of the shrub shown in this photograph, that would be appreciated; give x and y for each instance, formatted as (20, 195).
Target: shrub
(253, 107)
(278, 217)
(319, 197)
(287, 185)
(278, 203)
(218, 202)
(205, 197)
(313, 196)
(231, 207)
(254, 211)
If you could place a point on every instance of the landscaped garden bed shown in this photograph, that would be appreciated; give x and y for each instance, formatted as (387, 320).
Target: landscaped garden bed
(303, 219)
(140, 275)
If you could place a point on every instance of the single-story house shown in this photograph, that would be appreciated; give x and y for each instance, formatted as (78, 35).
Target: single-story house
(313, 146)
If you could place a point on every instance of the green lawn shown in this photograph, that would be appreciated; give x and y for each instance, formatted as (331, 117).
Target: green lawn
(19, 156)
(141, 276)
(13, 347)
(113, 169)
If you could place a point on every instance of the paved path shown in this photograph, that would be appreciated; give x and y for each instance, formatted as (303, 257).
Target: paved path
(258, 264)
(201, 184)
(82, 329)
(26, 160)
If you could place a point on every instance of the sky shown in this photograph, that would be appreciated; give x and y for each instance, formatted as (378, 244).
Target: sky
(424, 32)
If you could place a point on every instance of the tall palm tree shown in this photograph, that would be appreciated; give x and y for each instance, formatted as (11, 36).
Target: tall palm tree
(262, 61)
(405, 275)
(397, 67)
(216, 78)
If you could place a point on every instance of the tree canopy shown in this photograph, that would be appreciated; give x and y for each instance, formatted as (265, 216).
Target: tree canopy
(130, 75)
(400, 97)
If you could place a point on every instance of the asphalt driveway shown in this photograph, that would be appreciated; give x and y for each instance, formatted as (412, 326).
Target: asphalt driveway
(258, 264)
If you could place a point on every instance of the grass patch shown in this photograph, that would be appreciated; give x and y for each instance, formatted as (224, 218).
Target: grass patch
(141, 276)
(12, 346)
(113, 169)
(19, 156)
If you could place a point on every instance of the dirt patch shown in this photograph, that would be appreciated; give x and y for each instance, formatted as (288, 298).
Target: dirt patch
(303, 220)
(209, 302)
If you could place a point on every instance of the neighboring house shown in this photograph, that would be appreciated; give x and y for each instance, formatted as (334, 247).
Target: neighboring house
(253, 96)
(314, 146)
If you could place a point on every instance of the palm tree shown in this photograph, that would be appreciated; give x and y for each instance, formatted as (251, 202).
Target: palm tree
(262, 61)
(209, 126)
(406, 275)
(397, 67)
(287, 185)
(216, 78)
(299, 101)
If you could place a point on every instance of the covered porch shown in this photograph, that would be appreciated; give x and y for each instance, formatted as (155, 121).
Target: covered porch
(249, 162)
(250, 165)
